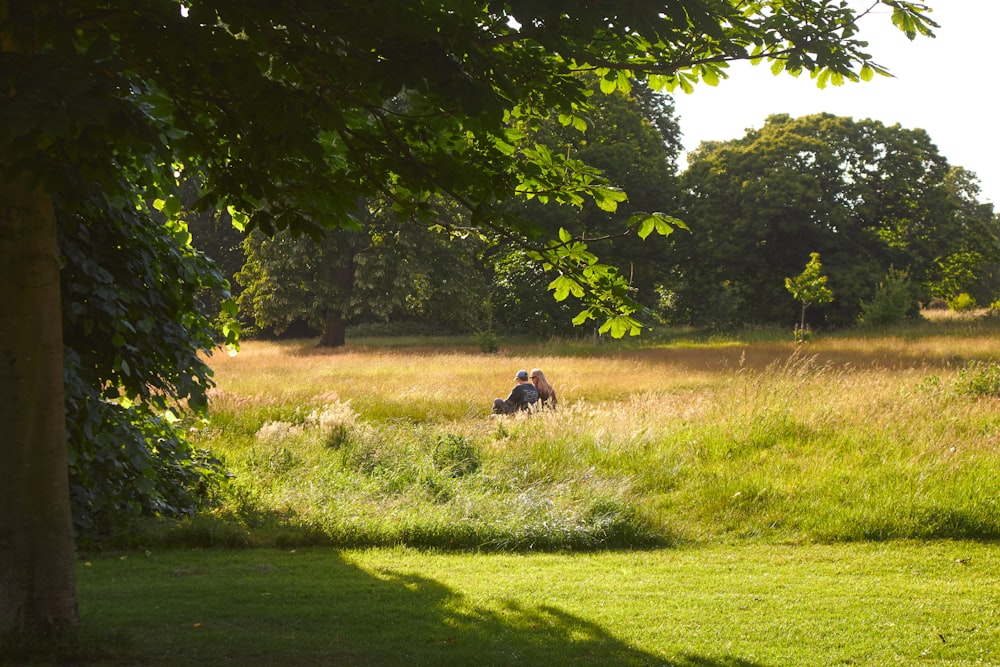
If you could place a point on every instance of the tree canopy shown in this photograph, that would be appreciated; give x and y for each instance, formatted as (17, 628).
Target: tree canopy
(386, 269)
(865, 195)
(288, 113)
(634, 139)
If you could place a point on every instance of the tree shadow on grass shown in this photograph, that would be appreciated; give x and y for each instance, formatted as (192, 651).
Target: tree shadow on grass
(269, 607)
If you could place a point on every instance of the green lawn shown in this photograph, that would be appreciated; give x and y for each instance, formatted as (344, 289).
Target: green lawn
(724, 605)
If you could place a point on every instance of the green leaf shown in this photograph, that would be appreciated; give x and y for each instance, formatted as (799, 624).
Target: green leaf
(504, 147)
(658, 82)
(607, 199)
(621, 325)
(646, 227)
(625, 81)
(563, 286)
(240, 219)
(171, 206)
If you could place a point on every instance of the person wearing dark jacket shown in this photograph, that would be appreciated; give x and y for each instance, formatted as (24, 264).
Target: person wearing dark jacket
(522, 396)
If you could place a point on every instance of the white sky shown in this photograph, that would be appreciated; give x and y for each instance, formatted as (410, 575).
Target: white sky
(943, 85)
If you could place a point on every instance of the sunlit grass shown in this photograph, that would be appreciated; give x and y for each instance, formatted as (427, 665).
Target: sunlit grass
(710, 605)
(869, 436)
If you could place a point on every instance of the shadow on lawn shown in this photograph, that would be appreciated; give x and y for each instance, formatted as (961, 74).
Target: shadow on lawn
(263, 607)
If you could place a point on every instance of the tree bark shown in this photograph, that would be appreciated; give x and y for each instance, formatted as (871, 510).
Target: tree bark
(334, 323)
(37, 559)
(334, 330)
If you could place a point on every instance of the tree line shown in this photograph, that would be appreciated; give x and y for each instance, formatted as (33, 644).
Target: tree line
(895, 224)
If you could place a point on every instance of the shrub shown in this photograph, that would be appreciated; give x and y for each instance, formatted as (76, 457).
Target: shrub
(895, 300)
(488, 341)
(962, 302)
(979, 378)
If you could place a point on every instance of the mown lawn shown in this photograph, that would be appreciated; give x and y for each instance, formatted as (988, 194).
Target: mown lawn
(719, 605)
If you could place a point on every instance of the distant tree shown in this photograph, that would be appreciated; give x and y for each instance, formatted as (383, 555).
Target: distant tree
(895, 300)
(973, 264)
(809, 287)
(865, 195)
(383, 269)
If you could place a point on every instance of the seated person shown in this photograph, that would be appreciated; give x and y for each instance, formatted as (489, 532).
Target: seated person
(522, 396)
(546, 394)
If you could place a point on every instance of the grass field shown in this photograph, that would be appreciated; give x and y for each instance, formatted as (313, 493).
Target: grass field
(890, 435)
(715, 502)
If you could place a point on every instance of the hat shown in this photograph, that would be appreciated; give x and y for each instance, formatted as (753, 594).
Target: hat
(521, 375)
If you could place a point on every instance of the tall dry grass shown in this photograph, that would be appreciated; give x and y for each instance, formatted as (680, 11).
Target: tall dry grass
(846, 438)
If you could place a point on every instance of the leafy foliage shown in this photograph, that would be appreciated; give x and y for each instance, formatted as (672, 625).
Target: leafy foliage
(895, 300)
(634, 140)
(979, 378)
(864, 195)
(293, 113)
(134, 323)
(962, 302)
(385, 269)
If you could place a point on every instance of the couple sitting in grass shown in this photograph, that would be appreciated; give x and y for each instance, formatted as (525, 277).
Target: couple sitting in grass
(530, 393)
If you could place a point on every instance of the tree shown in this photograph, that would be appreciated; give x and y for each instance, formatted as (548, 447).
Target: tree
(386, 268)
(865, 195)
(288, 113)
(634, 139)
(809, 287)
(971, 265)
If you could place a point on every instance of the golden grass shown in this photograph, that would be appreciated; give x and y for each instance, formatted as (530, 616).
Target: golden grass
(841, 438)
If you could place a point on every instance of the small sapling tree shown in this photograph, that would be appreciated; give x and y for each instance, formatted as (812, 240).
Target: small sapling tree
(809, 287)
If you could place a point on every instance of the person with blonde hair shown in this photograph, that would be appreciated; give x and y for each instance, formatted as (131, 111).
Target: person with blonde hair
(546, 394)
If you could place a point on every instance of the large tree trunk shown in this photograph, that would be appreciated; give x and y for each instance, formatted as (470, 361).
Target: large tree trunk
(334, 324)
(334, 330)
(37, 560)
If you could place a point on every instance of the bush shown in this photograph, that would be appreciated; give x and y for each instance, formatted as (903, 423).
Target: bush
(455, 456)
(488, 341)
(895, 300)
(962, 302)
(979, 378)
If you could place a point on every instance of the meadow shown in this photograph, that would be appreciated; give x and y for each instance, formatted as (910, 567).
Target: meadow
(889, 435)
(694, 501)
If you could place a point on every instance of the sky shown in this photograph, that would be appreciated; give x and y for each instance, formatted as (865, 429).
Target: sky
(943, 85)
